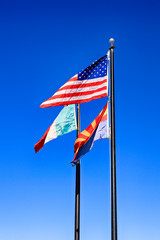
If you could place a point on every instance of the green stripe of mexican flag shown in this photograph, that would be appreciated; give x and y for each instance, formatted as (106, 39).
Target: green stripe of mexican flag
(64, 123)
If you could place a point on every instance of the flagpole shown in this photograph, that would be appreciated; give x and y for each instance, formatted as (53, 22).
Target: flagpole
(77, 190)
(113, 150)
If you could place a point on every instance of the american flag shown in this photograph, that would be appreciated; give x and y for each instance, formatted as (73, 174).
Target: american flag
(88, 84)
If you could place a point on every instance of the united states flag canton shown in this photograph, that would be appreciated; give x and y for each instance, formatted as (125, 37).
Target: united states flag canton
(85, 86)
(96, 70)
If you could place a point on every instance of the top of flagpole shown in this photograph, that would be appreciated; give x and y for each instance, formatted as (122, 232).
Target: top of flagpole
(111, 40)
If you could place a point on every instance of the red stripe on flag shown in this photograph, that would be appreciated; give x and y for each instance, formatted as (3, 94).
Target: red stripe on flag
(83, 85)
(104, 117)
(38, 146)
(72, 101)
(76, 94)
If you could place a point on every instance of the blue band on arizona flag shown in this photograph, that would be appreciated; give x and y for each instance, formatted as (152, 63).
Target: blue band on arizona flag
(85, 148)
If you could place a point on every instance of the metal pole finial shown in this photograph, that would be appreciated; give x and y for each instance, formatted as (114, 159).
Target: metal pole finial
(111, 40)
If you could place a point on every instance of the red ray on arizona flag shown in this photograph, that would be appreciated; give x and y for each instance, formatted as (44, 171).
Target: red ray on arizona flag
(98, 129)
(85, 86)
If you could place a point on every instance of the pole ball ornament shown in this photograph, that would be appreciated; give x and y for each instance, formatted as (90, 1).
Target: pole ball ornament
(111, 40)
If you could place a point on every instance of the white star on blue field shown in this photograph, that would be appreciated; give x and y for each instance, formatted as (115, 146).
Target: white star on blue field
(95, 70)
(42, 45)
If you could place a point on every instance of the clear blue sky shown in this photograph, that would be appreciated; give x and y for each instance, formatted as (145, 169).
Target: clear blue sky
(42, 45)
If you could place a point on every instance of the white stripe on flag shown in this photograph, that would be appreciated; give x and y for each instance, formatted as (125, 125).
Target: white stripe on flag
(85, 89)
(73, 98)
(52, 133)
(79, 82)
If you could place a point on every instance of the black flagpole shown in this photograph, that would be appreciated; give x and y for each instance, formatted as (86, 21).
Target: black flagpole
(113, 150)
(77, 191)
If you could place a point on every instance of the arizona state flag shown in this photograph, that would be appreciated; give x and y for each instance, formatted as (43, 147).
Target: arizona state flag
(98, 129)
